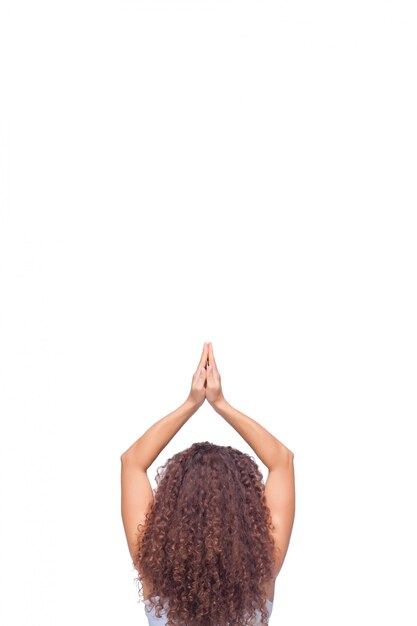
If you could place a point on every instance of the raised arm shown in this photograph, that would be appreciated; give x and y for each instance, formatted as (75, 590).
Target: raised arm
(280, 483)
(145, 450)
(268, 448)
(136, 491)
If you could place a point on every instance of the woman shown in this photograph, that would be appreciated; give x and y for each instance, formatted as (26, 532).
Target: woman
(209, 542)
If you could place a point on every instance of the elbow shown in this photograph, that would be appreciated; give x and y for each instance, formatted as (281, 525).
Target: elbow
(286, 456)
(289, 453)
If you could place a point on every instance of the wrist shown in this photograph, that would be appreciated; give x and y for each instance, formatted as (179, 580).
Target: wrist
(193, 404)
(220, 404)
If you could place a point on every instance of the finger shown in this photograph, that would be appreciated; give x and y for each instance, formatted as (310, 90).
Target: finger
(212, 360)
(204, 355)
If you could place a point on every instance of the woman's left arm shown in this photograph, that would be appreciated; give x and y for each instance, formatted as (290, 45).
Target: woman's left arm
(137, 494)
(145, 450)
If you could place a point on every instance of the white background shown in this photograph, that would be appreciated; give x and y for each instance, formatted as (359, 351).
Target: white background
(240, 172)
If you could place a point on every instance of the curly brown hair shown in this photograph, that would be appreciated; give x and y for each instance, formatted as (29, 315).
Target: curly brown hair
(205, 547)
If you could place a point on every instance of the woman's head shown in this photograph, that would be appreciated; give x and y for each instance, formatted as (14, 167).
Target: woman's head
(205, 546)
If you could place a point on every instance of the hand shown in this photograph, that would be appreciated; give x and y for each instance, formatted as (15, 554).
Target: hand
(198, 386)
(214, 392)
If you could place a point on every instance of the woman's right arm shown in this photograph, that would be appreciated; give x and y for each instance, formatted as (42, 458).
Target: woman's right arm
(268, 448)
(280, 483)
